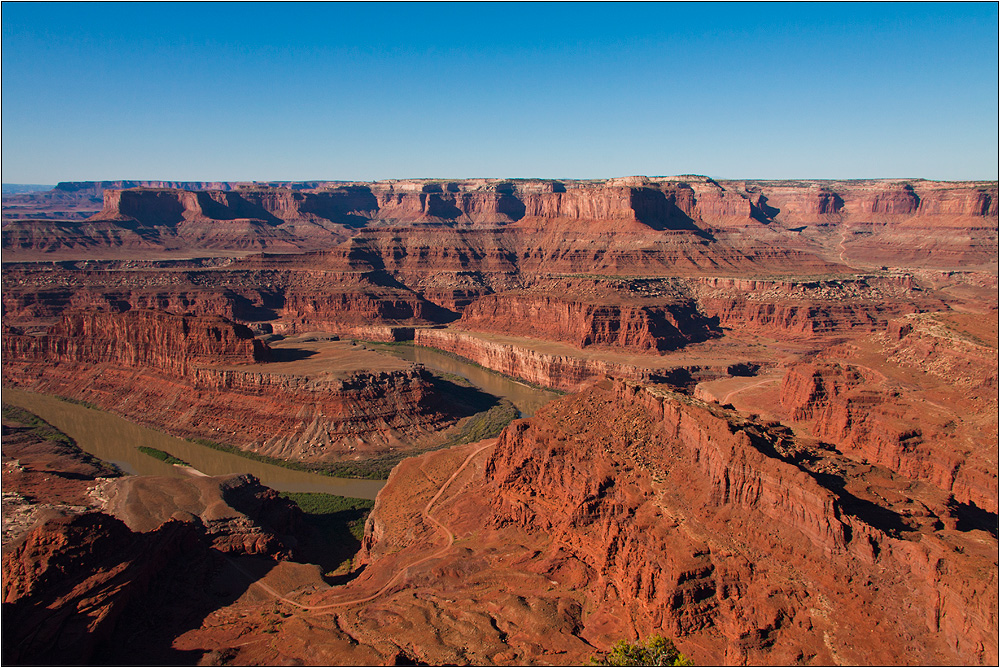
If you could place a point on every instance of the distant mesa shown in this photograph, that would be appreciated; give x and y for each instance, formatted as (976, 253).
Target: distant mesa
(947, 224)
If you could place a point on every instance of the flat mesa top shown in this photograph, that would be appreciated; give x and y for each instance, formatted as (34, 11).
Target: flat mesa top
(316, 354)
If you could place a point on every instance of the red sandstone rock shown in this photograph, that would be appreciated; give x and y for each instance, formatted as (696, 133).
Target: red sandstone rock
(238, 514)
(560, 372)
(865, 416)
(86, 588)
(622, 326)
(618, 512)
(628, 510)
(163, 370)
(678, 211)
(68, 584)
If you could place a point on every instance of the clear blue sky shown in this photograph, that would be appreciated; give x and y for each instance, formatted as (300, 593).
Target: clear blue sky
(198, 91)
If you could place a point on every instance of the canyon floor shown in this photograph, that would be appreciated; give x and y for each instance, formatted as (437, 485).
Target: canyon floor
(757, 417)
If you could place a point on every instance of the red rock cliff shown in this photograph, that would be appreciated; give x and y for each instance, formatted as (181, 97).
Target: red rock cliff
(868, 418)
(668, 506)
(622, 326)
(140, 338)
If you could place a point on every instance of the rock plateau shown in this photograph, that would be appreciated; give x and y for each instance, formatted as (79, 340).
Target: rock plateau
(780, 445)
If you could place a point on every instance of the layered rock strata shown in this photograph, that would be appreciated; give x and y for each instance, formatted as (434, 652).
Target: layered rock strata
(165, 371)
(641, 328)
(627, 510)
(139, 338)
(87, 588)
(806, 309)
(561, 372)
(943, 224)
(868, 418)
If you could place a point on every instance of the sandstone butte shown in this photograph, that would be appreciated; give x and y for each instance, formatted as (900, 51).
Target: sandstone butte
(778, 444)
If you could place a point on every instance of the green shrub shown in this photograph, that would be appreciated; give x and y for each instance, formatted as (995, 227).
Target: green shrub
(658, 651)
(163, 456)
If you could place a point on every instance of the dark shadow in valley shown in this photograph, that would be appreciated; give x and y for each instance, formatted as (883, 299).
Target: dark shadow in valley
(162, 584)
(408, 309)
(329, 543)
(235, 206)
(290, 354)
(885, 520)
(441, 207)
(511, 206)
(763, 211)
(971, 517)
(462, 400)
(680, 378)
(266, 307)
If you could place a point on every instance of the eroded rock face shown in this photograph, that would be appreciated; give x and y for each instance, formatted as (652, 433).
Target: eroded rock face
(627, 510)
(238, 514)
(140, 338)
(944, 224)
(84, 587)
(562, 372)
(811, 309)
(69, 582)
(168, 371)
(866, 417)
(622, 326)
(100, 568)
(864, 532)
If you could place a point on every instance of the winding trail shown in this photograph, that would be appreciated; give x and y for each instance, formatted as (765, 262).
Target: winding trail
(843, 250)
(401, 572)
(844, 231)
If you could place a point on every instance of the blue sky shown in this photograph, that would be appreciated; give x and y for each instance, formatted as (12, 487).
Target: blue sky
(259, 91)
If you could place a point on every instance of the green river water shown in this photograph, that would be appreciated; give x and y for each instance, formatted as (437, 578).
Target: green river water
(116, 440)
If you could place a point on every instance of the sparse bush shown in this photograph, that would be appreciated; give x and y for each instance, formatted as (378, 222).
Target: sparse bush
(658, 651)
(162, 456)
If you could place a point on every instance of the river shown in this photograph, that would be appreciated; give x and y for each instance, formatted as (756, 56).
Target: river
(528, 399)
(115, 439)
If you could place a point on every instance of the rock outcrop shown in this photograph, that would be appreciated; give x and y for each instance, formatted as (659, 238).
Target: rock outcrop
(939, 224)
(238, 514)
(868, 418)
(811, 309)
(861, 314)
(155, 339)
(72, 580)
(593, 475)
(104, 568)
(557, 371)
(89, 587)
(168, 371)
(643, 328)
(627, 510)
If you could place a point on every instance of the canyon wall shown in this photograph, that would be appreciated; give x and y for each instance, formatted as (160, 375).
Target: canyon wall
(622, 326)
(561, 372)
(154, 339)
(869, 419)
(167, 371)
(622, 488)
(811, 309)
(935, 223)
(627, 510)
(87, 588)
